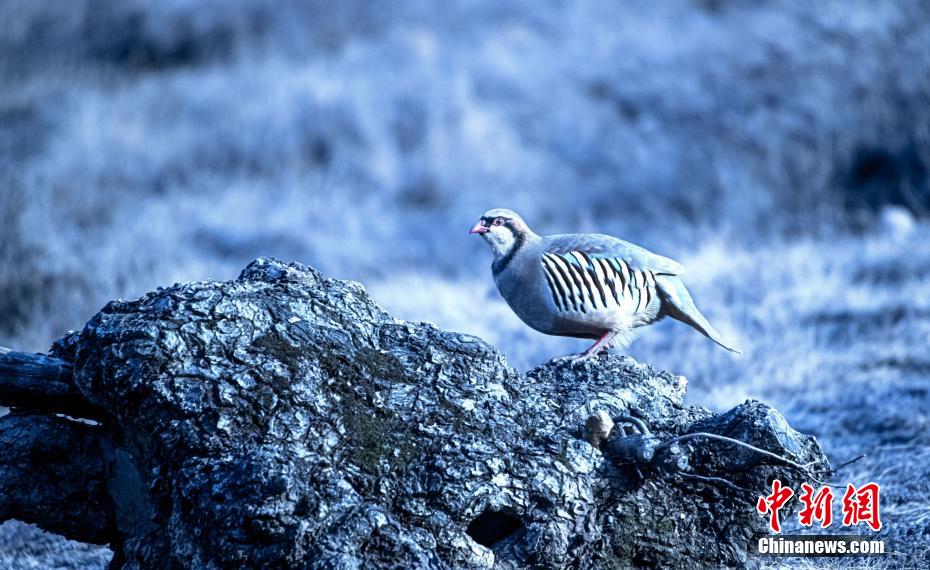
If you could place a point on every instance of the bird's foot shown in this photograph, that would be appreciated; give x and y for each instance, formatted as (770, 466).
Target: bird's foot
(574, 360)
(600, 347)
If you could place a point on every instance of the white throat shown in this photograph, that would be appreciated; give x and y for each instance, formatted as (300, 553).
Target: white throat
(500, 241)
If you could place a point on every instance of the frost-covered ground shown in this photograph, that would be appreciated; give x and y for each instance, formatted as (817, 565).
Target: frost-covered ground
(780, 150)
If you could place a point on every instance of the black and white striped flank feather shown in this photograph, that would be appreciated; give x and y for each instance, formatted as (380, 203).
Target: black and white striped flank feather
(582, 282)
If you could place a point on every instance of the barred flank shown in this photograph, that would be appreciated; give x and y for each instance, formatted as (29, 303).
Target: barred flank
(579, 282)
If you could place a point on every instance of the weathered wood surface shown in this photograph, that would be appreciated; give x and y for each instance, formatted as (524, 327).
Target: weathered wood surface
(285, 420)
(41, 383)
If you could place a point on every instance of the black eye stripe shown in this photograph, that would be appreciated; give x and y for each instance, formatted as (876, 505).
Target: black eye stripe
(489, 221)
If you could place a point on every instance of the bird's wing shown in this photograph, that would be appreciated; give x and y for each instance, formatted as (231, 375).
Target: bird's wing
(600, 246)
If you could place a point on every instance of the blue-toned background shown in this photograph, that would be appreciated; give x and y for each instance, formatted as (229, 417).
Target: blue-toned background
(780, 150)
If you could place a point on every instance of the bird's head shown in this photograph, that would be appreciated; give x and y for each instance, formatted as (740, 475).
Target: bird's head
(503, 229)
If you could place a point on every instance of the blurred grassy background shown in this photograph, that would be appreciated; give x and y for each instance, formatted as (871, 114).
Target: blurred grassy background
(779, 149)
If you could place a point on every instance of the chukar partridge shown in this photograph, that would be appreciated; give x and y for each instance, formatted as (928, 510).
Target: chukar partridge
(586, 285)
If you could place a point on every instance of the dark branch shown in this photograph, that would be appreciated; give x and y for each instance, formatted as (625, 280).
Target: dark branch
(53, 474)
(36, 382)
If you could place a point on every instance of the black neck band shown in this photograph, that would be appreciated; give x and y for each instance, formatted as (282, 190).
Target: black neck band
(502, 263)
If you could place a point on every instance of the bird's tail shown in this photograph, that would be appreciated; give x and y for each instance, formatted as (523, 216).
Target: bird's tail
(678, 304)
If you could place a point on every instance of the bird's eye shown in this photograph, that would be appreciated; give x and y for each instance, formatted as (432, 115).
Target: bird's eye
(498, 221)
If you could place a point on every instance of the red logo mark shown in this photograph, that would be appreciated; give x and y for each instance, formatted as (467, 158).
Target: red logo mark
(774, 502)
(861, 506)
(817, 507)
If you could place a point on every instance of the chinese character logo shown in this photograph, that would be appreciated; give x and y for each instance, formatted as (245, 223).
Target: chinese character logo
(773, 503)
(817, 507)
(859, 505)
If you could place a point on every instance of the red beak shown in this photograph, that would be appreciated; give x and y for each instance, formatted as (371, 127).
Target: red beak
(478, 229)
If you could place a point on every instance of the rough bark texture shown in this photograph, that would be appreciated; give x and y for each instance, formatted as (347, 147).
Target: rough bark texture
(285, 420)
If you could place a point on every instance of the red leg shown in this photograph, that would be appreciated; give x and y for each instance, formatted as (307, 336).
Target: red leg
(602, 343)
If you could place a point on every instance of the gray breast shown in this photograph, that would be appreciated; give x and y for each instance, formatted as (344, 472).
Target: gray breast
(522, 284)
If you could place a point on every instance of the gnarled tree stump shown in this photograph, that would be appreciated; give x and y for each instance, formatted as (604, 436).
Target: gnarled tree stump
(285, 420)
